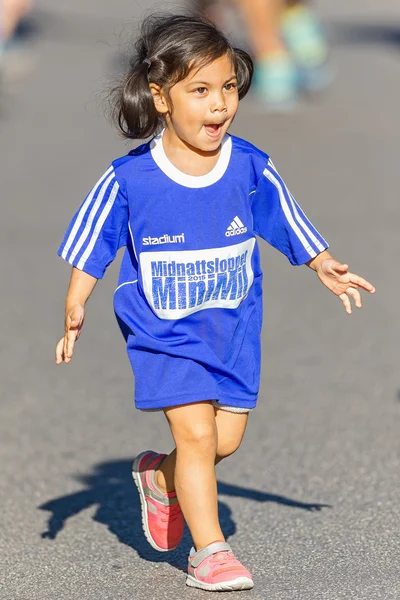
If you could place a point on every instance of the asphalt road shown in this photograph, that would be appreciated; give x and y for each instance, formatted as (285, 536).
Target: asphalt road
(310, 503)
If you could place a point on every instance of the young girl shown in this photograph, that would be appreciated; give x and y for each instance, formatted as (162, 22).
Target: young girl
(187, 206)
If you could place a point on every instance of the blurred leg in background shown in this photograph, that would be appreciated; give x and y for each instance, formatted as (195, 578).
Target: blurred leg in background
(12, 12)
(288, 45)
(275, 74)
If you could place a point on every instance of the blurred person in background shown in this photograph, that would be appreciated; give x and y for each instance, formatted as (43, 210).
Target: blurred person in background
(288, 44)
(12, 12)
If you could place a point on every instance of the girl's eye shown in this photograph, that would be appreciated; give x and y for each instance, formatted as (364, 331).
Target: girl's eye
(230, 86)
(201, 90)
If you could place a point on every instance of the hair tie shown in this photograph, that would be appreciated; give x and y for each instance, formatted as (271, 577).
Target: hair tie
(148, 62)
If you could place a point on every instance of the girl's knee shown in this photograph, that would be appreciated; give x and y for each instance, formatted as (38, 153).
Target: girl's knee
(199, 437)
(194, 428)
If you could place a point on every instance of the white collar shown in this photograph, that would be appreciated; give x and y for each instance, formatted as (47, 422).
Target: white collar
(191, 181)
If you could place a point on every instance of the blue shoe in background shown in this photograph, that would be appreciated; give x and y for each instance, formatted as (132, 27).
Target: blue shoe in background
(306, 42)
(276, 82)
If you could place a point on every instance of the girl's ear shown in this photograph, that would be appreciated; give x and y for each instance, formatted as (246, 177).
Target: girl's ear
(160, 101)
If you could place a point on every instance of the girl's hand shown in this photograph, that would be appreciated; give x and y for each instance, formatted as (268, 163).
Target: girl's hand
(74, 318)
(336, 277)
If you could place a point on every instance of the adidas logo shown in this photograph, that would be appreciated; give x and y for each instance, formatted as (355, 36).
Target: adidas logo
(235, 228)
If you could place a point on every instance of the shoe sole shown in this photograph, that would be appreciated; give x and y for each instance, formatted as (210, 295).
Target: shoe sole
(241, 583)
(143, 504)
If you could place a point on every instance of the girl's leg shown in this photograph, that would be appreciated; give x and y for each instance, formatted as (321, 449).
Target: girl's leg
(203, 437)
(231, 427)
(194, 429)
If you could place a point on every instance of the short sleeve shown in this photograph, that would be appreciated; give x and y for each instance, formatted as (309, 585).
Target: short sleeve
(98, 229)
(279, 220)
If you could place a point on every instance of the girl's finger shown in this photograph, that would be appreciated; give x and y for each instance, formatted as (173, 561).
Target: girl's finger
(71, 336)
(355, 294)
(71, 324)
(59, 351)
(346, 301)
(65, 347)
(337, 266)
(75, 322)
(361, 282)
(342, 267)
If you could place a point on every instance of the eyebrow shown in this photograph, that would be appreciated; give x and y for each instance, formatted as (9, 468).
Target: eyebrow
(207, 83)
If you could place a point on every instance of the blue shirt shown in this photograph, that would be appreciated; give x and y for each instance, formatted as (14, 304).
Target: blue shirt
(190, 279)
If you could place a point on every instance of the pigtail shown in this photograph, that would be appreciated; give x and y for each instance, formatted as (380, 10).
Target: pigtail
(244, 71)
(134, 110)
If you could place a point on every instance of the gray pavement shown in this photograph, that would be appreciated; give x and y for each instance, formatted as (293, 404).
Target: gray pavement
(310, 503)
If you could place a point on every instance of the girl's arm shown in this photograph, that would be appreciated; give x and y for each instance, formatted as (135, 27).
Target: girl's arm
(335, 276)
(81, 286)
(316, 262)
(279, 220)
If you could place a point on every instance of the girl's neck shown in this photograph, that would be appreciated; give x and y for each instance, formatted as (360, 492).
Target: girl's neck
(186, 158)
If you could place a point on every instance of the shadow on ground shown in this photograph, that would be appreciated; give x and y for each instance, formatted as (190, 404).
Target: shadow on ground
(110, 486)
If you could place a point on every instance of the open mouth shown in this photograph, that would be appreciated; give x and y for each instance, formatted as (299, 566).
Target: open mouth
(213, 129)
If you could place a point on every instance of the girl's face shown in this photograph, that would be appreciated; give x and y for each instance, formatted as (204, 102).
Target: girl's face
(204, 105)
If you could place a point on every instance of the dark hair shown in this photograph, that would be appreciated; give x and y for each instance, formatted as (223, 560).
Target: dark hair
(169, 46)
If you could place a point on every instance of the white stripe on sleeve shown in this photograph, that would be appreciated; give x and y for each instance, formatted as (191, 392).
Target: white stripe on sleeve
(82, 213)
(286, 210)
(316, 241)
(99, 225)
(298, 217)
(91, 217)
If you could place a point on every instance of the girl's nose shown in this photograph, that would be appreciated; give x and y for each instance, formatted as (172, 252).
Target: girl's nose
(218, 104)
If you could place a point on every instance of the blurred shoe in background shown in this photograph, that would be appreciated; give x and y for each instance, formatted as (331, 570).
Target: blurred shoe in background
(276, 82)
(306, 42)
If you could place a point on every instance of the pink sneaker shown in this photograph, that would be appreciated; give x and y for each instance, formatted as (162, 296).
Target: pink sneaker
(162, 517)
(215, 568)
